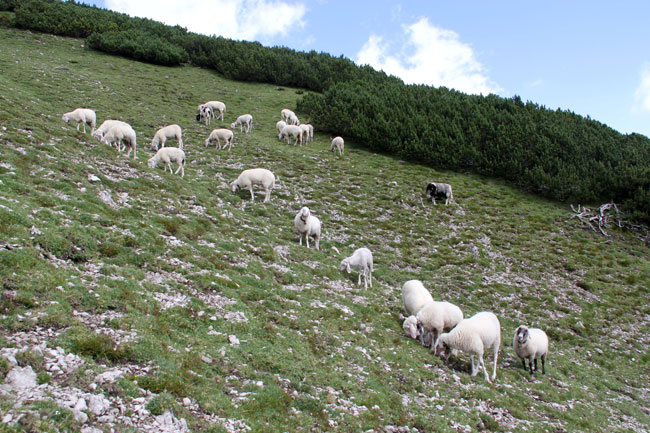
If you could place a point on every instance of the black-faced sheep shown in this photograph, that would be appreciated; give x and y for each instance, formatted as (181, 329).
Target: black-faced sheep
(439, 190)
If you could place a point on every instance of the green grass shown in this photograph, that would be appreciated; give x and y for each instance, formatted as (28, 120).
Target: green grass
(329, 356)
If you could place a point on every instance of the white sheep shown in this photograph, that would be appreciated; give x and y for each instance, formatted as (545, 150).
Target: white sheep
(255, 176)
(245, 120)
(414, 297)
(285, 113)
(215, 106)
(105, 126)
(531, 343)
(361, 259)
(474, 336)
(279, 125)
(305, 128)
(204, 113)
(161, 136)
(168, 155)
(220, 134)
(440, 190)
(121, 134)
(81, 116)
(308, 225)
(337, 144)
(291, 131)
(436, 317)
(293, 119)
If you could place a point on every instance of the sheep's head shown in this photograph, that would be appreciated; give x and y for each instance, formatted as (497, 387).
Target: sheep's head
(442, 348)
(305, 212)
(232, 125)
(98, 135)
(522, 334)
(431, 189)
(345, 265)
(65, 118)
(410, 327)
(234, 186)
(207, 142)
(151, 163)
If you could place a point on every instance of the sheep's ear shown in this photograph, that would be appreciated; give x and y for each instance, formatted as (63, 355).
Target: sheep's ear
(349, 268)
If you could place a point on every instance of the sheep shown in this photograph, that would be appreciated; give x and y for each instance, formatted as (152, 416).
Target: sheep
(243, 120)
(105, 126)
(480, 332)
(255, 176)
(291, 131)
(285, 113)
(293, 119)
(337, 144)
(414, 297)
(120, 133)
(220, 134)
(161, 136)
(167, 155)
(305, 128)
(214, 107)
(307, 224)
(436, 317)
(81, 116)
(440, 190)
(531, 343)
(311, 131)
(361, 259)
(279, 125)
(204, 113)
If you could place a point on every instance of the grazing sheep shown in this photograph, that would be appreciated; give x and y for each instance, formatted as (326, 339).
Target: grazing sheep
(255, 176)
(308, 225)
(293, 119)
(436, 317)
(285, 113)
(168, 155)
(291, 131)
(337, 144)
(440, 190)
(120, 135)
(170, 131)
(245, 120)
(81, 116)
(105, 126)
(531, 343)
(204, 113)
(361, 259)
(414, 297)
(279, 125)
(215, 106)
(220, 134)
(475, 335)
(305, 128)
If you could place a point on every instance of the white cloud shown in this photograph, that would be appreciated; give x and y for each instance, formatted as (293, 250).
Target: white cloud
(432, 56)
(642, 94)
(236, 19)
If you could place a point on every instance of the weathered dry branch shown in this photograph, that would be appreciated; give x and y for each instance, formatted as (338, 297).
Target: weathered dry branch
(604, 216)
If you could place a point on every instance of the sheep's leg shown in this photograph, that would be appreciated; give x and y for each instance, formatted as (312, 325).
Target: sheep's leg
(300, 234)
(180, 166)
(496, 358)
(543, 362)
(169, 165)
(268, 195)
(474, 371)
(482, 365)
(307, 239)
(251, 190)
(359, 281)
(535, 360)
(317, 240)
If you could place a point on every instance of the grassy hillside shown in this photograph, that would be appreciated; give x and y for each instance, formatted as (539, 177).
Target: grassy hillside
(155, 278)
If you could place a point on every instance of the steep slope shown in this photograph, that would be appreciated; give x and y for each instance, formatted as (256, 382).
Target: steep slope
(141, 292)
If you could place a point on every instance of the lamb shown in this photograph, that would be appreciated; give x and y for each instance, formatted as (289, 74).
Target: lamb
(337, 144)
(81, 116)
(170, 131)
(245, 120)
(255, 176)
(168, 155)
(285, 113)
(361, 259)
(220, 134)
(279, 125)
(414, 297)
(291, 131)
(215, 106)
(440, 190)
(480, 332)
(204, 113)
(120, 133)
(531, 343)
(307, 224)
(436, 317)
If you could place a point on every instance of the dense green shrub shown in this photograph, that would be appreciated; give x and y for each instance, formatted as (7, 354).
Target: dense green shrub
(139, 46)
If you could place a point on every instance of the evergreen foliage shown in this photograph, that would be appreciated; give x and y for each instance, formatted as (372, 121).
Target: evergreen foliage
(554, 153)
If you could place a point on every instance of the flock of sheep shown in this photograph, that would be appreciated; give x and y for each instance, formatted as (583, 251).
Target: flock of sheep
(428, 319)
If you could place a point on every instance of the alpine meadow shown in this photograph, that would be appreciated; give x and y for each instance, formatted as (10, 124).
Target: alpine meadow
(136, 300)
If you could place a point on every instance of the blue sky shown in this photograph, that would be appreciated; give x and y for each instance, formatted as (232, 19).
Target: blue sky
(590, 57)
